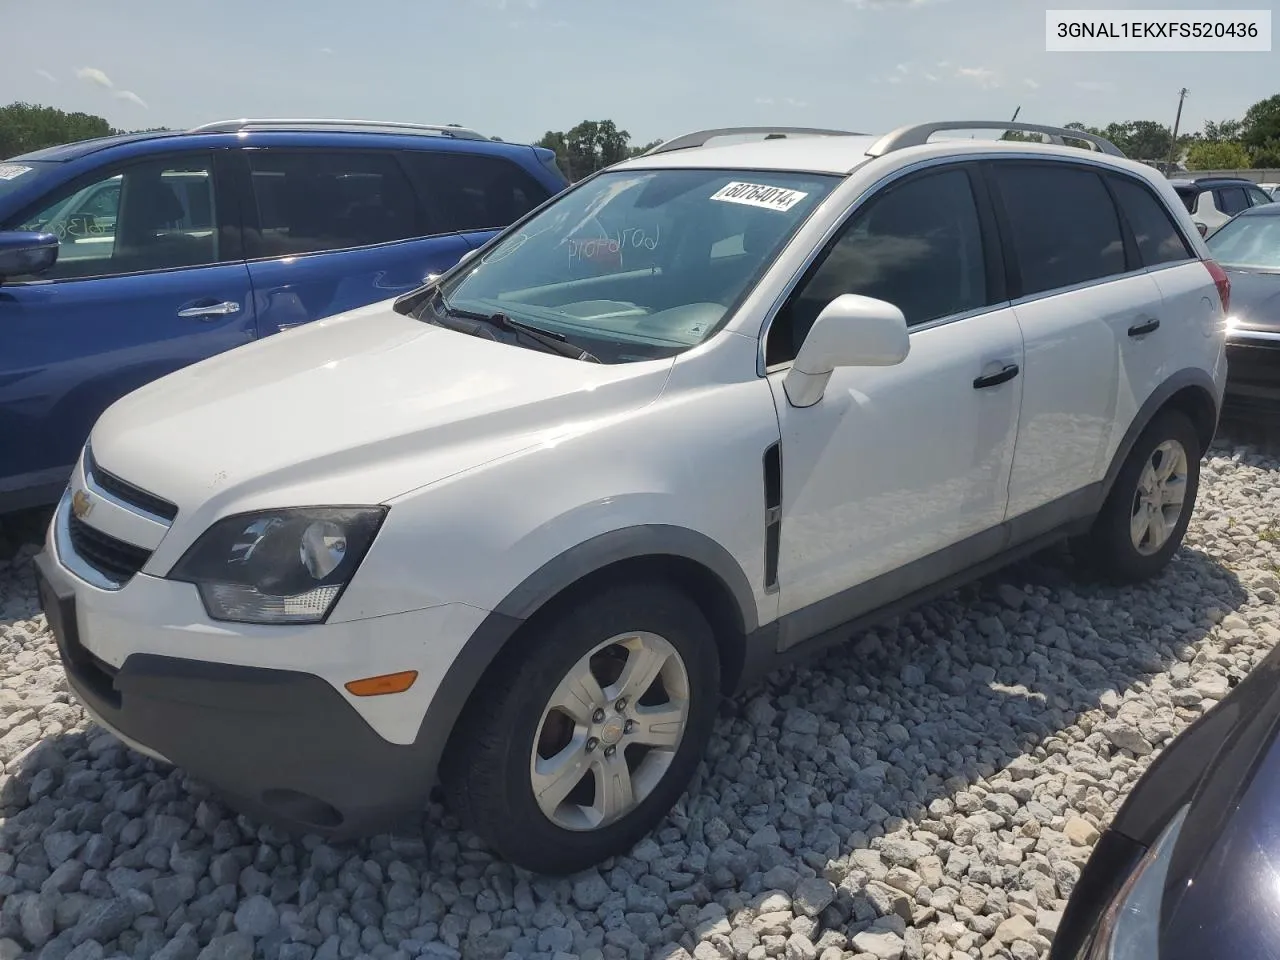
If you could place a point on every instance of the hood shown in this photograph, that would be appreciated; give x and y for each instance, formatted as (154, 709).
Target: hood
(1229, 906)
(1255, 298)
(358, 408)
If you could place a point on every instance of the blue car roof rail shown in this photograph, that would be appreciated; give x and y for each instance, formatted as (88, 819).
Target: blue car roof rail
(355, 126)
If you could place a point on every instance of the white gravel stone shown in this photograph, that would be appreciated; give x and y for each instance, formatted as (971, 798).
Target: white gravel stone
(930, 790)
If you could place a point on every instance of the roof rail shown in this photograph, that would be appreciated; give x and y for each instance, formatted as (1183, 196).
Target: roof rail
(916, 134)
(370, 126)
(700, 138)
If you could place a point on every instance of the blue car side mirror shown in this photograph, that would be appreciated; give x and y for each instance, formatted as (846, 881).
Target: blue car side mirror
(23, 253)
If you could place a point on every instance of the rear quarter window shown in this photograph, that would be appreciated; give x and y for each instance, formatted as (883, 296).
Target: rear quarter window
(474, 192)
(1158, 238)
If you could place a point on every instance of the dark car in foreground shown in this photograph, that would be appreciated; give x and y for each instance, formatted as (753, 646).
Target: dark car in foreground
(1248, 248)
(1190, 867)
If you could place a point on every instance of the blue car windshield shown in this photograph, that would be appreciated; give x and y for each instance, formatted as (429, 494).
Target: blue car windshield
(18, 174)
(639, 264)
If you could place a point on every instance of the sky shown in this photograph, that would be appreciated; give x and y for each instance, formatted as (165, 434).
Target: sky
(657, 68)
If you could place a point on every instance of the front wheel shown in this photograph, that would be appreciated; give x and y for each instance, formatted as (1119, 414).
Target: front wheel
(577, 746)
(1142, 523)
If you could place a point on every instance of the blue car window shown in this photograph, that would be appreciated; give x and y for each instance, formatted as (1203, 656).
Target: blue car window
(158, 215)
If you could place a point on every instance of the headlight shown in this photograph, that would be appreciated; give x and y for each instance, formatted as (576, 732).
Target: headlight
(279, 566)
(1130, 927)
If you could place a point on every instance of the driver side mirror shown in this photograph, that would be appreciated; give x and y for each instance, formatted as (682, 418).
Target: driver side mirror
(1203, 229)
(23, 253)
(851, 331)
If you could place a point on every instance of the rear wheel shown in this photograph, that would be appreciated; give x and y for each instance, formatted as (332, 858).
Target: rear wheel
(577, 746)
(1142, 523)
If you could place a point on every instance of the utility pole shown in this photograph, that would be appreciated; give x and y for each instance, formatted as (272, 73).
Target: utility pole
(1177, 122)
(1015, 114)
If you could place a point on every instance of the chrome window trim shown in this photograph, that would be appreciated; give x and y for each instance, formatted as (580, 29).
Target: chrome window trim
(1243, 335)
(762, 370)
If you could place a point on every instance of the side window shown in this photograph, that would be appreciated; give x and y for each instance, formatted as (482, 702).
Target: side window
(1188, 196)
(918, 246)
(1258, 196)
(1063, 224)
(158, 215)
(310, 201)
(1231, 200)
(1159, 240)
(474, 192)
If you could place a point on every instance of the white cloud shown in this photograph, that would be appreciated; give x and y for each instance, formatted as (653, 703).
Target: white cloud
(982, 76)
(1094, 86)
(1031, 84)
(903, 68)
(47, 75)
(931, 78)
(94, 75)
(131, 97)
(943, 64)
(325, 50)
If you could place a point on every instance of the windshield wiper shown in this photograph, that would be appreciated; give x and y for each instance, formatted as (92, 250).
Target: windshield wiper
(551, 342)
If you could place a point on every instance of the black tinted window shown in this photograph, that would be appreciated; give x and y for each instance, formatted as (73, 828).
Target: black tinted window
(1158, 239)
(1063, 224)
(473, 192)
(156, 215)
(918, 246)
(328, 201)
(1188, 196)
(1231, 200)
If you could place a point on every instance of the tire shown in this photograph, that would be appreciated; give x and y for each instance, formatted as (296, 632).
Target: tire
(489, 768)
(1113, 545)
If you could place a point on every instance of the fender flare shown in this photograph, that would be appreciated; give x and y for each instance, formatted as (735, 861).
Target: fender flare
(1190, 377)
(548, 582)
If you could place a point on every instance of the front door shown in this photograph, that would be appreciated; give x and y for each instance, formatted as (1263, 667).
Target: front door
(148, 280)
(895, 465)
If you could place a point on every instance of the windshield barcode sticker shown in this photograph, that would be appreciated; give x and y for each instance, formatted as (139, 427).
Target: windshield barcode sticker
(11, 171)
(759, 195)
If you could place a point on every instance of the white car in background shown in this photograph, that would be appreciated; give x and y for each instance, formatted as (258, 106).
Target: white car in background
(709, 409)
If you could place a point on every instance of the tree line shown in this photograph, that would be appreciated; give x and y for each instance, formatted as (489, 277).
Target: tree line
(1251, 141)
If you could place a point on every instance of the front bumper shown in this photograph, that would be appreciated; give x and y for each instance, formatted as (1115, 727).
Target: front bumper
(231, 707)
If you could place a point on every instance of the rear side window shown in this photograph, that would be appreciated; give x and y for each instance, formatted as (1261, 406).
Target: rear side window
(1063, 225)
(1258, 196)
(1188, 197)
(1231, 200)
(1158, 238)
(315, 200)
(473, 192)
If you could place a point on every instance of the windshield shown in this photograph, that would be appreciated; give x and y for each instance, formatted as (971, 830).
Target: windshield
(638, 265)
(1251, 242)
(16, 174)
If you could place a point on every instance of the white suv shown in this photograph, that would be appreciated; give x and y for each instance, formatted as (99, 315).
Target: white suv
(708, 409)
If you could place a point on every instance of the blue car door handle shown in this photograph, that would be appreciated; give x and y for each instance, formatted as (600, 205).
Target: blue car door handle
(208, 311)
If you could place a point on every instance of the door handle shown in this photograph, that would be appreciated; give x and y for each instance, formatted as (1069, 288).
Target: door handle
(995, 379)
(210, 310)
(1145, 327)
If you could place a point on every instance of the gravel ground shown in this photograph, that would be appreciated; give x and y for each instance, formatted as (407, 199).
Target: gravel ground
(931, 790)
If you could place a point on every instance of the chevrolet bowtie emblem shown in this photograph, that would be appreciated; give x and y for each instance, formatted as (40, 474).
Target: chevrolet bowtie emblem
(81, 505)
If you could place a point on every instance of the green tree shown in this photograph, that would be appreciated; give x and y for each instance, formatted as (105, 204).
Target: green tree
(1266, 156)
(590, 146)
(1222, 131)
(27, 126)
(1261, 123)
(645, 148)
(1227, 155)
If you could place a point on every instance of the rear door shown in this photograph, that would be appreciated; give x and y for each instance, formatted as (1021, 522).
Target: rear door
(1173, 336)
(328, 230)
(1077, 297)
(149, 278)
(476, 195)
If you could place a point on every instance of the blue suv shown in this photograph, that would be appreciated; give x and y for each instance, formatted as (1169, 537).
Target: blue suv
(125, 258)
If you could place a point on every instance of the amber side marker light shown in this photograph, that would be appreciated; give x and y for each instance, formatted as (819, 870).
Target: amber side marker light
(387, 683)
